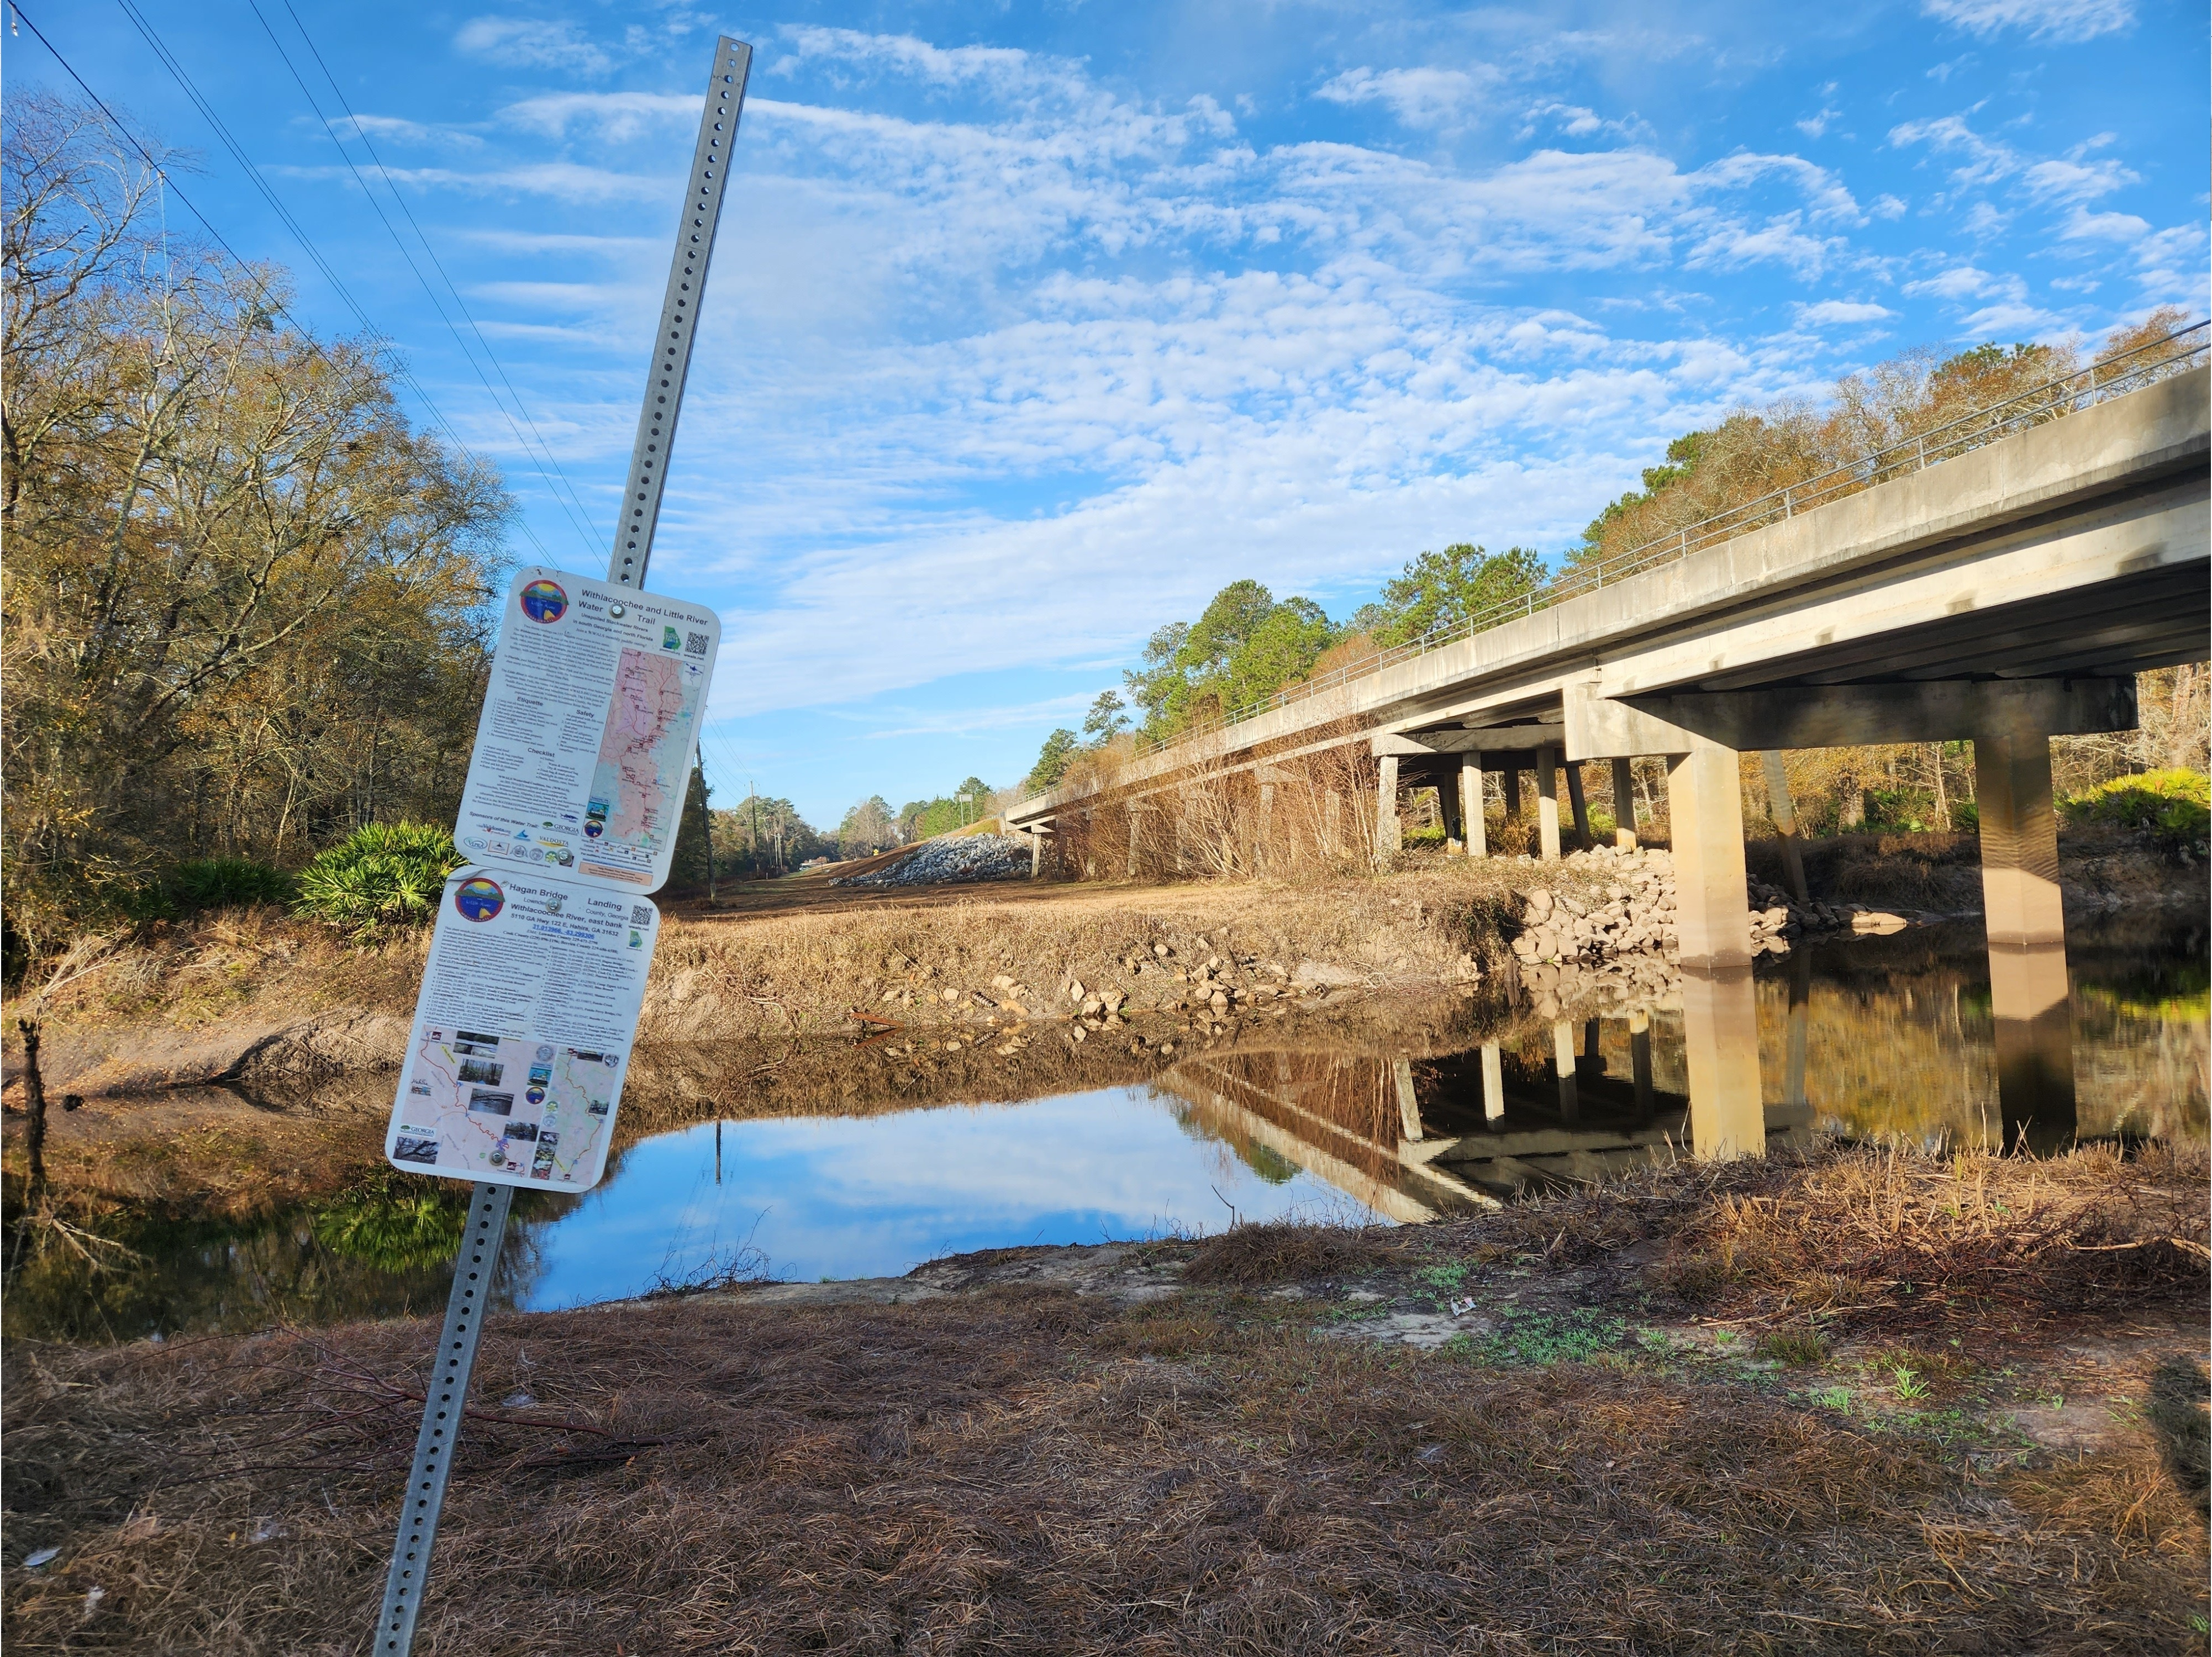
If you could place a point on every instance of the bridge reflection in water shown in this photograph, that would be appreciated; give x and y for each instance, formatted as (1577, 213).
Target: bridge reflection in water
(1902, 1040)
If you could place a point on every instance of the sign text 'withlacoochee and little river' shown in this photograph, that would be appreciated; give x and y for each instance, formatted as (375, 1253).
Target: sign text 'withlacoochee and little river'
(536, 971)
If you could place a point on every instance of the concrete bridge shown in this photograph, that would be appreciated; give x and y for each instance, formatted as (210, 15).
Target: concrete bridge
(2006, 595)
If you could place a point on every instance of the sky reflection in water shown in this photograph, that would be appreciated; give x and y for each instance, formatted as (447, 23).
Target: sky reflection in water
(863, 1197)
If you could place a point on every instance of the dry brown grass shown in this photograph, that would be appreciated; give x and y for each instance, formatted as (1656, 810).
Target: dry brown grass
(1028, 1473)
(1282, 1253)
(1878, 1240)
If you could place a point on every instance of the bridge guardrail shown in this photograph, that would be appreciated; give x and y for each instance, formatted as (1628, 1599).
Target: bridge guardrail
(2107, 377)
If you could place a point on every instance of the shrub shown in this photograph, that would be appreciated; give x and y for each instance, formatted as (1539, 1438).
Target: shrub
(211, 883)
(2175, 807)
(384, 874)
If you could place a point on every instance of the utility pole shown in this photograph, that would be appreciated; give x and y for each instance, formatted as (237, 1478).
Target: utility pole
(706, 818)
(752, 794)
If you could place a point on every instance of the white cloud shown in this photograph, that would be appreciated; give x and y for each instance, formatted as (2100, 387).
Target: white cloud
(2071, 180)
(1841, 312)
(2085, 226)
(1965, 282)
(1888, 207)
(534, 42)
(393, 129)
(1418, 97)
(2057, 21)
(1816, 125)
(615, 117)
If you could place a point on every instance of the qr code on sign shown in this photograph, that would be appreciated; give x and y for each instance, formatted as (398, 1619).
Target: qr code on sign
(695, 644)
(639, 915)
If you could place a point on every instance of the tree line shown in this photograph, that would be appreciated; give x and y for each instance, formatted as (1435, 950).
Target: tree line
(247, 605)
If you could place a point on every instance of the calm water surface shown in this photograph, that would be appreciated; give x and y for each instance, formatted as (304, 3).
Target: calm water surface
(1886, 1038)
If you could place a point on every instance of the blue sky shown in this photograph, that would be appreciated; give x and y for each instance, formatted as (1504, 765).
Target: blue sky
(1031, 327)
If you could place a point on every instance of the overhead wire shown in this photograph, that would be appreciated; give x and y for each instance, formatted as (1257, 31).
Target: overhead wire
(543, 461)
(122, 128)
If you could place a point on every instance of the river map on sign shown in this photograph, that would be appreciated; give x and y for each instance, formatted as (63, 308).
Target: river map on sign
(503, 1106)
(638, 785)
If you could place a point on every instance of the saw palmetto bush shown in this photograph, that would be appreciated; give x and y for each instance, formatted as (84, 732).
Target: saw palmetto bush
(383, 875)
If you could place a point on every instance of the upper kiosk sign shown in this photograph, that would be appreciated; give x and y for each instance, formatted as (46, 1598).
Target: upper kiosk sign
(584, 749)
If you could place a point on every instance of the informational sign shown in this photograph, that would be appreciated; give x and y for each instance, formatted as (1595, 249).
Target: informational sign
(584, 749)
(522, 1031)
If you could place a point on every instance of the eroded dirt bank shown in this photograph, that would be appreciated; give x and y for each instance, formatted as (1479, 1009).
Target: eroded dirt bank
(262, 999)
(1845, 1403)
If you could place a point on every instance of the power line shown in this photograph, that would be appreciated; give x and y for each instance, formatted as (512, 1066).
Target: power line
(122, 128)
(573, 505)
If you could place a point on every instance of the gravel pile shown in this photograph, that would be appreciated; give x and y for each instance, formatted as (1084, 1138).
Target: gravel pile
(939, 862)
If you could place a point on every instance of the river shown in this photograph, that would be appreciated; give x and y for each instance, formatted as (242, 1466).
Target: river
(1887, 1039)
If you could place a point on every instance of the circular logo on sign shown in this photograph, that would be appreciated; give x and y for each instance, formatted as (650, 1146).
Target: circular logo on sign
(593, 829)
(545, 601)
(479, 899)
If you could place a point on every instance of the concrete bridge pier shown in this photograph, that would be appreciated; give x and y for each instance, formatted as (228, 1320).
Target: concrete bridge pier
(1639, 1061)
(1548, 803)
(1623, 804)
(1576, 803)
(1493, 1082)
(1266, 828)
(1136, 824)
(1474, 817)
(1509, 786)
(1720, 1010)
(1388, 839)
(1562, 1068)
(2029, 994)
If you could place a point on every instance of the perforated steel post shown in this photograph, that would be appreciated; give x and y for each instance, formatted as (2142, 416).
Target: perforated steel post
(441, 1419)
(633, 549)
(679, 314)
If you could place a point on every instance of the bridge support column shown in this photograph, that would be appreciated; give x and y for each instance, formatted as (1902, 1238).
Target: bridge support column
(1332, 813)
(1563, 1068)
(1624, 804)
(1548, 804)
(1135, 827)
(1448, 807)
(1409, 1107)
(1037, 857)
(1266, 827)
(1387, 838)
(1639, 1062)
(1720, 1012)
(1493, 1082)
(1471, 811)
(1576, 803)
(2026, 925)
(1508, 785)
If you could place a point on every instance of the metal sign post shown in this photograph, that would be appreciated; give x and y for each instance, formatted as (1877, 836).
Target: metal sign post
(443, 1399)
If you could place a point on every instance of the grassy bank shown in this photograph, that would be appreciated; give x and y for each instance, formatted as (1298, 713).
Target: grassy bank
(1853, 1403)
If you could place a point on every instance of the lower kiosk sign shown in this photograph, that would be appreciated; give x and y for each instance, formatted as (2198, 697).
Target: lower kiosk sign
(522, 1031)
